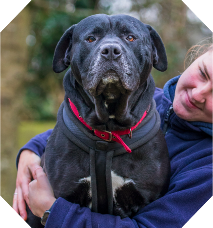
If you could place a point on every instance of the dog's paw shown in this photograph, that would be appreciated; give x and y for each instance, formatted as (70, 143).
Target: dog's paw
(82, 193)
(127, 201)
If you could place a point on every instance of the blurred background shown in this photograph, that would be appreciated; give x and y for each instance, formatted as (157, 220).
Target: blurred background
(31, 92)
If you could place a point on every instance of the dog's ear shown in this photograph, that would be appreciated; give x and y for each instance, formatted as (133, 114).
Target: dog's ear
(159, 53)
(61, 59)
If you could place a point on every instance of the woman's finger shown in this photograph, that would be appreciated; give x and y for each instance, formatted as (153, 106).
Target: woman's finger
(37, 170)
(21, 204)
(25, 191)
(15, 201)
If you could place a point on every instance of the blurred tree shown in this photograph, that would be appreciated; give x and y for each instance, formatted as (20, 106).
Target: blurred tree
(49, 20)
(13, 73)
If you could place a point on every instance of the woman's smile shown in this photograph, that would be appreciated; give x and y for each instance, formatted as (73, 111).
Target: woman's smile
(188, 102)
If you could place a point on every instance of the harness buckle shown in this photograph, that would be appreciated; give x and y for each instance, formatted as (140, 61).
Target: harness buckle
(110, 136)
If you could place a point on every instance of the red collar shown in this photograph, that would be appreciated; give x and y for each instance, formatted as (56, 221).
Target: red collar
(107, 135)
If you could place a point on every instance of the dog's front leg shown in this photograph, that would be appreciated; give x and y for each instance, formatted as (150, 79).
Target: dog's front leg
(127, 201)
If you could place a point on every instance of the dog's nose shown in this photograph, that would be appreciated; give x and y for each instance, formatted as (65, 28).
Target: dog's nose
(111, 51)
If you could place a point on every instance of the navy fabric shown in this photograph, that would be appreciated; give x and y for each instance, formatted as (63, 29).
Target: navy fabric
(36, 144)
(190, 151)
(206, 127)
(169, 88)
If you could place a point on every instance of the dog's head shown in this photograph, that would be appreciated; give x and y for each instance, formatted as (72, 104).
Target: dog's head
(110, 56)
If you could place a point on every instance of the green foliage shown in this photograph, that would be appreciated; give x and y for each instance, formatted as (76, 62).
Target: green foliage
(86, 4)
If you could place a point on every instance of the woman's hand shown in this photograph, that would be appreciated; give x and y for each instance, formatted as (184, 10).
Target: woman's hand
(41, 196)
(28, 162)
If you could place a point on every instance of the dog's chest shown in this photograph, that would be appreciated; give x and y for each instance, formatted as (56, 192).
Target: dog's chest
(117, 183)
(107, 179)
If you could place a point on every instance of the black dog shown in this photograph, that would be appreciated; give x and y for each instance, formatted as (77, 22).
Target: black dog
(106, 151)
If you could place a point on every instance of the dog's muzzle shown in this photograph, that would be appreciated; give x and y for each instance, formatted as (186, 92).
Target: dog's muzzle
(110, 86)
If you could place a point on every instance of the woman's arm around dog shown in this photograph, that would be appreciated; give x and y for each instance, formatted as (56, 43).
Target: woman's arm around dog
(27, 160)
(172, 210)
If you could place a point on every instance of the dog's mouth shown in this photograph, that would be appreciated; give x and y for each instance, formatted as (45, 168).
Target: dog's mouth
(110, 87)
(110, 96)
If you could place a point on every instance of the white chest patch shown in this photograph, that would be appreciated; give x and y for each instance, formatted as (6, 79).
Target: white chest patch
(117, 182)
(88, 180)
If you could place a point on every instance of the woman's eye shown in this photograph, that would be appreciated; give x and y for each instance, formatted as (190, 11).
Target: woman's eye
(91, 39)
(202, 74)
(130, 38)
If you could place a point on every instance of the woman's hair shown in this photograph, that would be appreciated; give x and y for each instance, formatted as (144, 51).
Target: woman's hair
(197, 50)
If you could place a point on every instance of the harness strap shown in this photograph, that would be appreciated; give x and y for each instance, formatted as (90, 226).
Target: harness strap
(107, 135)
(101, 181)
(85, 139)
(91, 144)
(109, 157)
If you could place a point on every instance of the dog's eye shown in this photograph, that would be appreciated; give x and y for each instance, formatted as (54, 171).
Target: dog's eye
(130, 38)
(91, 39)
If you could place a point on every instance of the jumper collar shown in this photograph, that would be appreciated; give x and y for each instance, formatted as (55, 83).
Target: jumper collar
(107, 135)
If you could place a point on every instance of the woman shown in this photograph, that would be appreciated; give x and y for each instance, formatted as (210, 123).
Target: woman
(185, 108)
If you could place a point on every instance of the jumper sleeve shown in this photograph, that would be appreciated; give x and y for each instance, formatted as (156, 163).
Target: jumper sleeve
(37, 144)
(66, 215)
(158, 96)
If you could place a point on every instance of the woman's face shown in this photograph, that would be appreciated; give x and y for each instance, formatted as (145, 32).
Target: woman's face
(193, 94)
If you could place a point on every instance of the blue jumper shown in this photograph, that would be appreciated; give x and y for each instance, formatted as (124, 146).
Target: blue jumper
(190, 151)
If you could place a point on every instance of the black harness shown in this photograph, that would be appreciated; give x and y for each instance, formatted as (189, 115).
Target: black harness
(101, 152)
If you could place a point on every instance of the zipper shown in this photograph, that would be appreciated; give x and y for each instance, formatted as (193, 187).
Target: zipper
(166, 120)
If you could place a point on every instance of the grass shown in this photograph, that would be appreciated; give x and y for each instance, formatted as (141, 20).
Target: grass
(28, 129)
